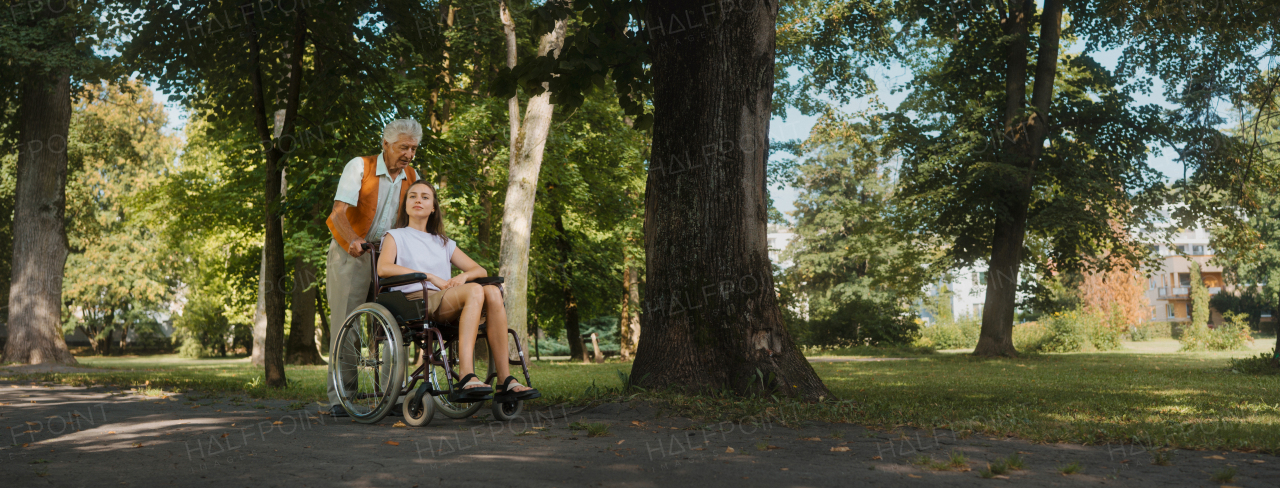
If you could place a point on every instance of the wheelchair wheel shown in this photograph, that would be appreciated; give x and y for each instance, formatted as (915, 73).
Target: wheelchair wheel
(441, 380)
(506, 411)
(418, 407)
(369, 365)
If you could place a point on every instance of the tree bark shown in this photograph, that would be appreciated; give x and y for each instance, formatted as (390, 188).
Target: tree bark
(625, 346)
(40, 239)
(522, 187)
(259, 348)
(711, 320)
(1023, 143)
(301, 348)
(629, 323)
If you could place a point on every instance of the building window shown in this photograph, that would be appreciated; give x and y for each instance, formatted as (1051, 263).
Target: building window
(1197, 250)
(1154, 314)
(979, 278)
(1188, 309)
(1184, 279)
(1182, 248)
(1168, 308)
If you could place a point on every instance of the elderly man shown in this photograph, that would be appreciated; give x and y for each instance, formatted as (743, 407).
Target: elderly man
(365, 207)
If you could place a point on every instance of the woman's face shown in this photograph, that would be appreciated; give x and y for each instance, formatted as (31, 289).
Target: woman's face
(419, 202)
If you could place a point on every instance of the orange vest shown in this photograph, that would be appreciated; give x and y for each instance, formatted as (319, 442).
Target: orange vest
(360, 216)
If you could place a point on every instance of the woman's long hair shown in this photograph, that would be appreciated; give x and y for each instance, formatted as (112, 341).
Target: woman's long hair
(435, 223)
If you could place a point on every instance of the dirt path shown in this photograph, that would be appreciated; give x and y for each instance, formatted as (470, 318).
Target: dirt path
(68, 436)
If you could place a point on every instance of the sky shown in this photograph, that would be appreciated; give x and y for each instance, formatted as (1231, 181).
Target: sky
(796, 126)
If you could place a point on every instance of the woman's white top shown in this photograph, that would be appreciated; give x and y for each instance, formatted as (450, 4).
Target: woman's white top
(423, 252)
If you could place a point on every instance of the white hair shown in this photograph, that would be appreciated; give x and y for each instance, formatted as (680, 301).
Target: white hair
(407, 127)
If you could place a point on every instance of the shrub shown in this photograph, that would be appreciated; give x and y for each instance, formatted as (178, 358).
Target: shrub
(1068, 332)
(1232, 335)
(202, 327)
(1151, 330)
(1139, 334)
(950, 335)
(1073, 331)
(860, 321)
(1029, 336)
(1260, 364)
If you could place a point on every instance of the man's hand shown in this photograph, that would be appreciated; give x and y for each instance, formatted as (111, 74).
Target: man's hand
(455, 281)
(355, 248)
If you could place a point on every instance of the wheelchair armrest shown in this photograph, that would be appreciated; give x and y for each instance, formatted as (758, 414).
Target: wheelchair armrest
(488, 280)
(403, 279)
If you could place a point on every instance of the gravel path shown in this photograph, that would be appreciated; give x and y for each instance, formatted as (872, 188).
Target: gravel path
(69, 436)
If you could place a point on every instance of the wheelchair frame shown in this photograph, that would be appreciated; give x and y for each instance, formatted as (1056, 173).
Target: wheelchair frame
(413, 318)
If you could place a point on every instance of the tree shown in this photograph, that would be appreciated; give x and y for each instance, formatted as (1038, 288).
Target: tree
(44, 49)
(118, 276)
(1199, 298)
(522, 178)
(1250, 250)
(854, 272)
(1115, 286)
(1000, 173)
(712, 320)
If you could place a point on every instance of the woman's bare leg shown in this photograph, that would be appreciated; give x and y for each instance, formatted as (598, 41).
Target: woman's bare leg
(496, 331)
(464, 303)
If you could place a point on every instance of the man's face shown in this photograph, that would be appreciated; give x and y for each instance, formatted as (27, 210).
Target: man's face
(400, 153)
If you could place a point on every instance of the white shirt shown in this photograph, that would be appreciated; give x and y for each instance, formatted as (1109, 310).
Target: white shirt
(388, 194)
(423, 252)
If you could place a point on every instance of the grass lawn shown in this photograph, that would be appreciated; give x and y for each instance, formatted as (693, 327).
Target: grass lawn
(1145, 393)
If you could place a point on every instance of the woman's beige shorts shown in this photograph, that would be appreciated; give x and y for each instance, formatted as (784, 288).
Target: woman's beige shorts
(433, 299)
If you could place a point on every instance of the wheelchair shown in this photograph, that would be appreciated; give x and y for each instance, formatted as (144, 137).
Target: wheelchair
(374, 345)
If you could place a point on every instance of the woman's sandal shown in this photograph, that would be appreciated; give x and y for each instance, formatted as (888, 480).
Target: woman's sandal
(462, 394)
(502, 396)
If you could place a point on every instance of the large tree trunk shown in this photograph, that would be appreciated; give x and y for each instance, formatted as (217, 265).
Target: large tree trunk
(1021, 148)
(711, 320)
(40, 240)
(522, 187)
(301, 348)
(273, 244)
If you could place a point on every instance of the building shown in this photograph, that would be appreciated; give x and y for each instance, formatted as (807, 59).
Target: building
(779, 237)
(1169, 288)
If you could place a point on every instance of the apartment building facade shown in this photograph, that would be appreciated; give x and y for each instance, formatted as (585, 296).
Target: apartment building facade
(1169, 288)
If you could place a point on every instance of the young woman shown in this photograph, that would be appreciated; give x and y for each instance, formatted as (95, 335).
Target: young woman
(419, 245)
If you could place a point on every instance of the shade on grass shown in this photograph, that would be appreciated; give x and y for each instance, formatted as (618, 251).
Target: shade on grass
(1143, 394)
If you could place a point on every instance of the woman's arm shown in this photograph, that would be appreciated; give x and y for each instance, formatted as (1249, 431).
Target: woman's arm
(470, 269)
(387, 263)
